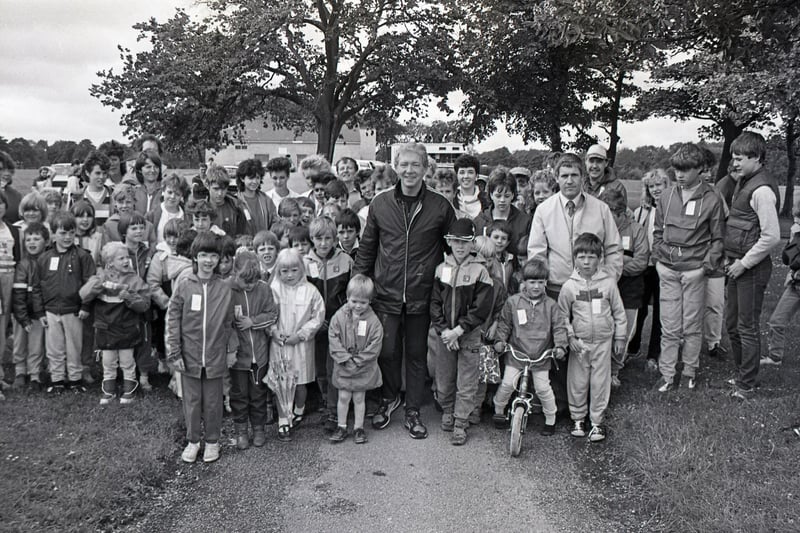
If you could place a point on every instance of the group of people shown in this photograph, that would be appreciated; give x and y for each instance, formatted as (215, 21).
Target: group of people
(235, 294)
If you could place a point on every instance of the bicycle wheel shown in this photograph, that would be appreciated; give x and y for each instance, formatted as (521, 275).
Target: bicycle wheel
(516, 430)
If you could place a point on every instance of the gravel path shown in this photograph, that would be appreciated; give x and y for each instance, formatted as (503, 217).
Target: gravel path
(393, 483)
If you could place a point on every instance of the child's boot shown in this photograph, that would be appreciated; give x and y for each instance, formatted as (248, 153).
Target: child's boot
(259, 436)
(108, 391)
(459, 436)
(242, 438)
(129, 387)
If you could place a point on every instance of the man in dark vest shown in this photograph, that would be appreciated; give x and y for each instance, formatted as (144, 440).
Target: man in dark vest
(752, 231)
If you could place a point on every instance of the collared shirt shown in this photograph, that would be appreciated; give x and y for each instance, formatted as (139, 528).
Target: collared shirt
(578, 201)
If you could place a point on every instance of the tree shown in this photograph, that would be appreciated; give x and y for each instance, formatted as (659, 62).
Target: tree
(61, 151)
(25, 153)
(304, 64)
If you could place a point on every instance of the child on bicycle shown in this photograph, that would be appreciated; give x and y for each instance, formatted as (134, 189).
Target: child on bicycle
(531, 323)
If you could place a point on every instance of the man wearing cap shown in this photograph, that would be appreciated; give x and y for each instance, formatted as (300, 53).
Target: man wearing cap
(601, 176)
(523, 177)
(557, 222)
(402, 243)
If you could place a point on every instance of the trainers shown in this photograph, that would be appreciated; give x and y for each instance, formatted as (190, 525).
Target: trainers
(189, 454)
(716, 351)
(259, 436)
(360, 436)
(382, 418)
(338, 435)
(211, 452)
(76, 386)
(129, 387)
(108, 391)
(765, 361)
(688, 382)
(597, 433)
(416, 429)
(242, 437)
(459, 436)
(226, 401)
(578, 429)
(448, 421)
(19, 383)
(500, 421)
(741, 393)
(548, 430)
(664, 384)
(330, 425)
(144, 383)
(56, 387)
(475, 417)
(615, 383)
(35, 386)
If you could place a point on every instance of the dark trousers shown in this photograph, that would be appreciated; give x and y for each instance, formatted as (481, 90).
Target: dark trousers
(742, 317)
(324, 369)
(202, 400)
(404, 334)
(558, 374)
(651, 294)
(145, 362)
(248, 398)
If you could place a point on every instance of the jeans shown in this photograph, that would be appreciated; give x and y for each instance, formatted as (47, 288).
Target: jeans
(715, 311)
(202, 401)
(743, 311)
(786, 308)
(457, 378)
(28, 349)
(683, 294)
(248, 398)
(651, 291)
(122, 359)
(64, 340)
(404, 334)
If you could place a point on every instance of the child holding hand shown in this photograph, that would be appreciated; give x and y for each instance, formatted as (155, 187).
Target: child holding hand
(355, 338)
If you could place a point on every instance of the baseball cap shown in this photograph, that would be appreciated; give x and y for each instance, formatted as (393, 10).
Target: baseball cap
(520, 171)
(462, 229)
(596, 150)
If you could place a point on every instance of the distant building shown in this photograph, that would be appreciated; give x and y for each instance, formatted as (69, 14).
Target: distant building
(262, 142)
(444, 153)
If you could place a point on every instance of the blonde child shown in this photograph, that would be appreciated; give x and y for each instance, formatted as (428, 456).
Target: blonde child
(199, 338)
(301, 312)
(355, 338)
(120, 299)
(530, 322)
(255, 313)
(543, 186)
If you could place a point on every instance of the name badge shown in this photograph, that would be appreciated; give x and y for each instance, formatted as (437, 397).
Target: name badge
(361, 329)
(247, 215)
(237, 311)
(447, 274)
(313, 270)
(54, 263)
(522, 317)
(626, 242)
(690, 206)
(197, 302)
(597, 306)
(101, 213)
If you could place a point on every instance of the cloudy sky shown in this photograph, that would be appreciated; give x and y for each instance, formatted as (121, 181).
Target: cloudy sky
(51, 50)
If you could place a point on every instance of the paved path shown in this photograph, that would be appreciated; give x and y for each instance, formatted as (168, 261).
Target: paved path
(392, 483)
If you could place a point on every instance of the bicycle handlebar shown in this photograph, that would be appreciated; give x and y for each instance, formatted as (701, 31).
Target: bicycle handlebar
(522, 357)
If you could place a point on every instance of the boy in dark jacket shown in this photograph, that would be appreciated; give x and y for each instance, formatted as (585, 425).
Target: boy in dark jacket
(328, 269)
(790, 299)
(28, 332)
(120, 299)
(461, 303)
(60, 273)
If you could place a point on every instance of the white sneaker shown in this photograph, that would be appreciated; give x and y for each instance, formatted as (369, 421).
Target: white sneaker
(211, 452)
(769, 361)
(189, 454)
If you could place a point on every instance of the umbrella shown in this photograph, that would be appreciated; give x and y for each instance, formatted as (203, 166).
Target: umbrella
(282, 379)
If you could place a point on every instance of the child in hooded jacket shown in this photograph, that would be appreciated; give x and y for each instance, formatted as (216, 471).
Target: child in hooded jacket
(255, 312)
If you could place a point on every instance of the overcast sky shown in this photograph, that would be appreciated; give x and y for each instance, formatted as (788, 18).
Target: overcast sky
(50, 51)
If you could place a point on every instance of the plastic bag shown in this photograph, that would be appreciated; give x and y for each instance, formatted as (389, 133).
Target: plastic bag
(489, 371)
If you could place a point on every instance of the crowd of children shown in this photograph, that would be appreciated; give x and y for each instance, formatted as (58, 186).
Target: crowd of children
(242, 296)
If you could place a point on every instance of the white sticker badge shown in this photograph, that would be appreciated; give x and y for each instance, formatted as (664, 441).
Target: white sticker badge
(522, 317)
(626, 242)
(447, 274)
(54, 263)
(690, 205)
(597, 306)
(361, 329)
(197, 302)
(313, 270)
(247, 215)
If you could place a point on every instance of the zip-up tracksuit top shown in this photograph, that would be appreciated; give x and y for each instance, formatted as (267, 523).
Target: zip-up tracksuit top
(58, 278)
(689, 236)
(330, 276)
(635, 258)
(199, 324)
(259, 305)
(589, 321)
(531, 326)
(462, 296)
(22, 290)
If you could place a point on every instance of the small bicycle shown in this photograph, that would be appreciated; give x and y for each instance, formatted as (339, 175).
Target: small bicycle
(526, 398)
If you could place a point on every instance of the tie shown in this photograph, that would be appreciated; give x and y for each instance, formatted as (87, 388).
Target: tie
(571, 208)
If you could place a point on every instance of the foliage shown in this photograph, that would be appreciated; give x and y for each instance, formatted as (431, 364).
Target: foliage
(299, 63)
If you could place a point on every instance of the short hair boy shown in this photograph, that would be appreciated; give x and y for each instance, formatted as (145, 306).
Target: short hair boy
(300, 239)
(203, 214)
(499, 231)
(687, 246)
(348, 228)
(230, 217)
(267, 246)
(60, 273)
(596, 326)
(289, 211)
(307, 210)
(444, 181)
(460, 305)
(328, 269)
(336, 192)
(532, 323)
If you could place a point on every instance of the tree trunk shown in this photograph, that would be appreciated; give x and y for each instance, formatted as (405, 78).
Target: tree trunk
(619, 85)
(791, 137)
(730, 130)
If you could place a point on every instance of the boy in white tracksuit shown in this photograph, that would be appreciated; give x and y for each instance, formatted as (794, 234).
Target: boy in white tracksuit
(596, 320)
